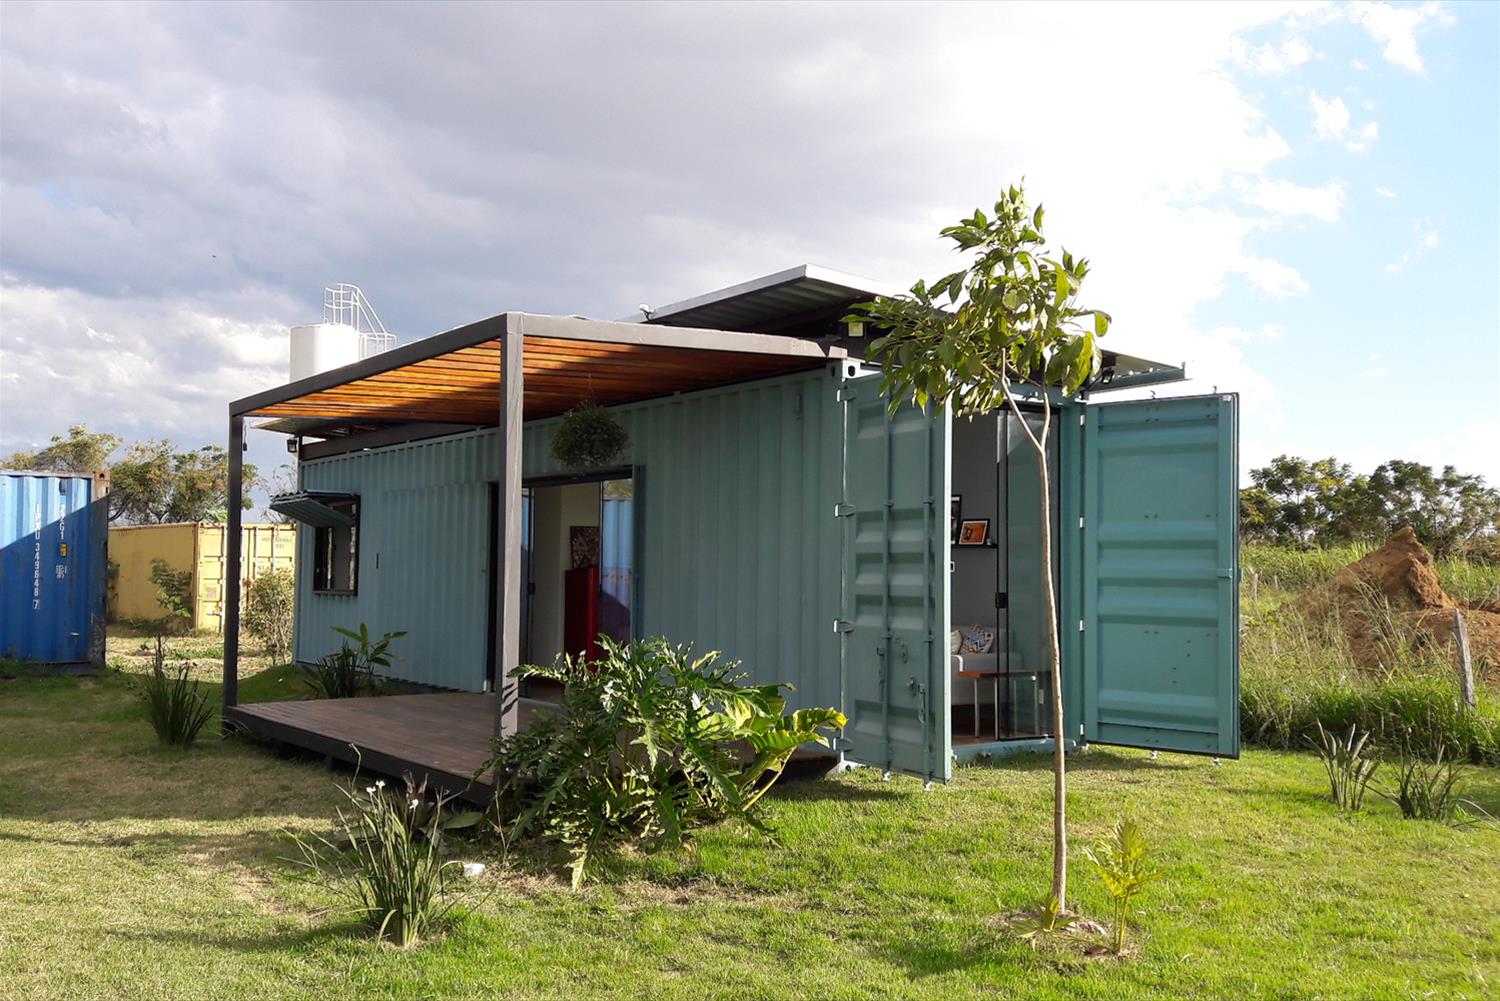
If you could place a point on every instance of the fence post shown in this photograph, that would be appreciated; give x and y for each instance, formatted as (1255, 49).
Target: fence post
(1465, 661)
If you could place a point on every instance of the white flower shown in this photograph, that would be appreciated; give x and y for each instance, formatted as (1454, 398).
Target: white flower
(413, 804)
(380, 783)
(370, 790)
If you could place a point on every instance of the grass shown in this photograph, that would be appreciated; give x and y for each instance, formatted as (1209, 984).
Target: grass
(1284, 568)
(131, 871)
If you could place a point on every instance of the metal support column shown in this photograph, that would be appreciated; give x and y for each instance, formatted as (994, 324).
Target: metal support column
(507, 560)
(234, 536)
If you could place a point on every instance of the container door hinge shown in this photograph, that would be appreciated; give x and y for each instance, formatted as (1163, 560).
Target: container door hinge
(1080, 418)
(844, 394)
(1080, 521)
(1080, 625)
(843, 626)
(843, 509)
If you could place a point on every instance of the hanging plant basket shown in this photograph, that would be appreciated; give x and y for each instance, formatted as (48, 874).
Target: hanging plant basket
(588, 437)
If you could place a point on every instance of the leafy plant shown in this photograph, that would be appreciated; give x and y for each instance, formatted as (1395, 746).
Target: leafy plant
(1048, 917)
(1122, 863)
(175, 705)
(350, 671)
(174, 593)
(426, 818)
(1011, 324)
(1427, 790)
(1349, 771)
(372, 653)
(385, 864)
(588, 437)
(646, 743)
(337, 675)
(270, 607)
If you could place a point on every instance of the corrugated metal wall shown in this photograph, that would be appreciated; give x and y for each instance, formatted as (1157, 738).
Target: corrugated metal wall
(736, 545)
(52, 567)
(190, 546)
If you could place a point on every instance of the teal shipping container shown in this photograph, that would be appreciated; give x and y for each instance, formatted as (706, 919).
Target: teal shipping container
(54, 528)
(771, 504)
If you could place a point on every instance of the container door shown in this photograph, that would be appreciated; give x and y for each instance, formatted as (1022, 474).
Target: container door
(894, 627)
(1160, 570)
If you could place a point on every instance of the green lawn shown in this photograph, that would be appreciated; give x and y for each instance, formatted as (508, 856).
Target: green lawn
(131, 871)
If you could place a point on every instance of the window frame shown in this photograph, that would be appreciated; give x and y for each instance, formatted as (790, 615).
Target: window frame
(319, 558)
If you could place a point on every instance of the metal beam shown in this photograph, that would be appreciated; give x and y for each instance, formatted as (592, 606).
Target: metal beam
(396, 435)
(232, 564)
(507, 558)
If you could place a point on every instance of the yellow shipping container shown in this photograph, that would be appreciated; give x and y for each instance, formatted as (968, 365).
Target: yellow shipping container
(189, 546)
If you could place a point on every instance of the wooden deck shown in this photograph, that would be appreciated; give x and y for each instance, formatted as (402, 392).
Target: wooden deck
(444, 737)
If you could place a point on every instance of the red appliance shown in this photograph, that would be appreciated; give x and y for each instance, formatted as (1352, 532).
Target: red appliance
(581, 612)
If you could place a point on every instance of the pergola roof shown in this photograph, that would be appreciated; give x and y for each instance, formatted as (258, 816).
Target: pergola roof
(455, 377)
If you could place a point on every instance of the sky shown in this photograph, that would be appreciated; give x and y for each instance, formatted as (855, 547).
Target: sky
(1302, 202)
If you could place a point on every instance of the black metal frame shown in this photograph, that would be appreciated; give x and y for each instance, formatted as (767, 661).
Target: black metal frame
(510, 330)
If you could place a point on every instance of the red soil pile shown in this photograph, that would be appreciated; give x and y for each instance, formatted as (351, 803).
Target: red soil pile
(1392, 600)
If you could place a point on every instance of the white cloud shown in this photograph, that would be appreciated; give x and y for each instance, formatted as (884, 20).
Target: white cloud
(1374, 367)
(1275, 279)
(1269, 58)
(1397, 28)
(1385, 192)
(1330, 118)
(1426, 241)
(1358, 64)
(1284, 198)
(1331, 121)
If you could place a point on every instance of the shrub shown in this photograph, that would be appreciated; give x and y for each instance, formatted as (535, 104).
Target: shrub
(270, 606)
(1426, 790)
(350, 671)
(1122, 864)
(174, 593)
(1349, 770)
(384, 865)
(646, 744)
(176, 707)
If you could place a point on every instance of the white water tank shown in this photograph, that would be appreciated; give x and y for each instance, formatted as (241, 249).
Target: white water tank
(318, 347)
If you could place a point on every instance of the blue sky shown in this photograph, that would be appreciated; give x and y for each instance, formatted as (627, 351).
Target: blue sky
(1300, 200)
(1393, 351)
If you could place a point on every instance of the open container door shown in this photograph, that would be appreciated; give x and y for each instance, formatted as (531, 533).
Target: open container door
(1160, 574)
(894, 626)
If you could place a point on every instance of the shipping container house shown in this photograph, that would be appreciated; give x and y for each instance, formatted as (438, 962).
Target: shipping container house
(199, 548)
(777, 511)
(53, 552)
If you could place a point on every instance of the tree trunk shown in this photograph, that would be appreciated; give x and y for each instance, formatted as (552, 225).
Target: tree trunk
(1054, 658)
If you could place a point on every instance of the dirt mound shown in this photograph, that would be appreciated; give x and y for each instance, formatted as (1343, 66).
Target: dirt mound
(1392, 600)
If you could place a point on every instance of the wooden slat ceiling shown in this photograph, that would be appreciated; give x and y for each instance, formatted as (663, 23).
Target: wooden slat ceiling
(463, 386)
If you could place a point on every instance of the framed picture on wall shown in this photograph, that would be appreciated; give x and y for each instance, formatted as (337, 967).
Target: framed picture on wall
(955, 512)
(974, 532)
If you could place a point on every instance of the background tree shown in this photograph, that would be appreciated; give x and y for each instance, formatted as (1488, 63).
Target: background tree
(1321, 502)
(1010, 325)
(78, 451)
(154, 484)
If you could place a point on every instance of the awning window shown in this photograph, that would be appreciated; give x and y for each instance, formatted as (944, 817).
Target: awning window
(319, 509)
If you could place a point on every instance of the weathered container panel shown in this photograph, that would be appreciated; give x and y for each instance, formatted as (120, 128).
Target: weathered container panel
(198, 548)
(735, 543)
(53, 531)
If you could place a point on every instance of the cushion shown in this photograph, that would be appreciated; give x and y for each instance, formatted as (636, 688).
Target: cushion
(977, 639)
(955, 641)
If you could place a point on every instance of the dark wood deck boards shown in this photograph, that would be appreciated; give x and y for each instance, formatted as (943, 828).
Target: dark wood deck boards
(444, 736)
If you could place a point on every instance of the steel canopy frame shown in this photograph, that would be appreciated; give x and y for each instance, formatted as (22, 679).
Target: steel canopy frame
(510, 330)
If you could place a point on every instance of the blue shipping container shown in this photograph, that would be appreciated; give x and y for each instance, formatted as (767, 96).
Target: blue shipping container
(53, 533)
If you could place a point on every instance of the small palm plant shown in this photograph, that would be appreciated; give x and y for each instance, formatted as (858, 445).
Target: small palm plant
(1349, 770)
(1122, 863)
(1430, 790)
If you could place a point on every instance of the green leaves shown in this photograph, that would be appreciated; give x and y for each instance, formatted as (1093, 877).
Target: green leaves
(1010, 318)
(646, 745)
